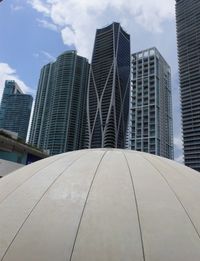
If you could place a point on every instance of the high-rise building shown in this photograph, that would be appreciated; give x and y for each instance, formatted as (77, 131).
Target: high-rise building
(109, 89)
(188, 36)
(58, 118)
(151, 127)
(15, 109)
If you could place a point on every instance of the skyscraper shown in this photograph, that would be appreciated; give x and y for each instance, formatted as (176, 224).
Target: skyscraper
(151, 106)
(108, 89)
(15, 109)
(58, 118)
(188, 36)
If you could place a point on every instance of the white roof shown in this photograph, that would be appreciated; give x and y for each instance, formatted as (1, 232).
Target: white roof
(100, 205)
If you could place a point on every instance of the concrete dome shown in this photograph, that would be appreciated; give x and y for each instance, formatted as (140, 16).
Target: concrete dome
(100, 205)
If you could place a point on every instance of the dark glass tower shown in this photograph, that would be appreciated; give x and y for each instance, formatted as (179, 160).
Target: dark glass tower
(188, 36)
(58, 119)
(15, 109)
(109, 88)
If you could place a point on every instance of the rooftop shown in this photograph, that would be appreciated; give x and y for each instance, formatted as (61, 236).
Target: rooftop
(101, 205)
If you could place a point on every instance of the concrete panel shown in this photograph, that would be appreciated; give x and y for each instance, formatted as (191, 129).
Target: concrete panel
(100, 205)
(185, 184)
(17, 207)
(50, 231)
(11, 182)
(167, 232)
(109, 227)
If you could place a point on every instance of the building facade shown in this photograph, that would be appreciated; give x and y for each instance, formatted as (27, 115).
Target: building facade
(109, 89)
(15, 109)
(58, 118)
(14, 150)
(151, 127)
(188, 37)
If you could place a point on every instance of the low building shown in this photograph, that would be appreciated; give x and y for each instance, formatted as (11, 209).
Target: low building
(16, 151)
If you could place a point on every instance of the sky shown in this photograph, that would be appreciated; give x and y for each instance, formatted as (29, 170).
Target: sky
(35, 32)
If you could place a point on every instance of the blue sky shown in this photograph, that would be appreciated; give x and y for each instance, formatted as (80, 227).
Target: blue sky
(35, 32)
(25, 45)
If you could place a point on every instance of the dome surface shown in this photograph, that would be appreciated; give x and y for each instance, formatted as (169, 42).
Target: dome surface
(100, 205)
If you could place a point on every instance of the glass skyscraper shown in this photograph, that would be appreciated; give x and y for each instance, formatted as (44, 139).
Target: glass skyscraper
(151, 127)
(15, 109)
(109, 89)
(188, 36)
(58, 120)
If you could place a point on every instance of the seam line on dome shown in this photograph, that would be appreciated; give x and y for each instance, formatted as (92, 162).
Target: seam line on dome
(92, 182)
(34, 173)
(176, 196)
(137, 207)
(18, 231)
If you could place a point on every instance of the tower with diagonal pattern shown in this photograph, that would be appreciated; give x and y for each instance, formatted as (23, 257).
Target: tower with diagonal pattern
(109, 89)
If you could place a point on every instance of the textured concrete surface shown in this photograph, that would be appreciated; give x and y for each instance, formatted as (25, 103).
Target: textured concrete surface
(100, 205)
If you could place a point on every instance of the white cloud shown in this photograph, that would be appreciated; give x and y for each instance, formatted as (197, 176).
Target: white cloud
(36, 55)
(78, 19)
(40, 6)
(48, 56)
(8, 73)
(45, 56)
(69, 36)
(152, 13)
(178, 143)
(44, 23)
(180, 159)
(15, 7)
